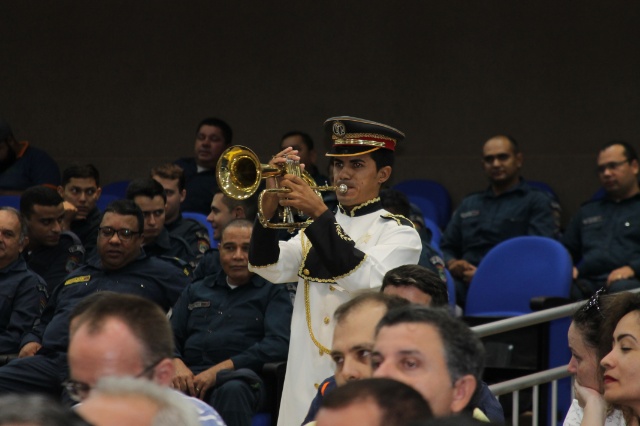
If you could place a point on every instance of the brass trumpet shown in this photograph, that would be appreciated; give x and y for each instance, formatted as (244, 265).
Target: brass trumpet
(239, 173)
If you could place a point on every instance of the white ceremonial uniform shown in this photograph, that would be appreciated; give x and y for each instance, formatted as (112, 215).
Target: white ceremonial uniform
(386, 244)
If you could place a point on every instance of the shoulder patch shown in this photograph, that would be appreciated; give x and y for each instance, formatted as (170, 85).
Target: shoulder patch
(400, 219)
(80, 279)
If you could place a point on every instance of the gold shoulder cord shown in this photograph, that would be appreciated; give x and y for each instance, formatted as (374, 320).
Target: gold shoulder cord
(307, 302)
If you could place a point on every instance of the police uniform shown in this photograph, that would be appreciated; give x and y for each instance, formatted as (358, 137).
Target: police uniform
(248, 324)
(200, 186)
(55, 263)
(87, 229)
(605, 234)
(484, 219)
(208, 265)
(146, 276)
(167, 245)
(23, 294)
(32, 167)
(194, 233)
(331, 259)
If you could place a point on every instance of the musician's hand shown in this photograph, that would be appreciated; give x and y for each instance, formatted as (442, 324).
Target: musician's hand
(301, 197)
(270, 201)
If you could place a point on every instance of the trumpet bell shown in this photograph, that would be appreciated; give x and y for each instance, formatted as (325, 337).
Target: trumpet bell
(239, 172)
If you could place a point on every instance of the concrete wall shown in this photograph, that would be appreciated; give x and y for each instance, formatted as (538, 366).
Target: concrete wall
(122, 84)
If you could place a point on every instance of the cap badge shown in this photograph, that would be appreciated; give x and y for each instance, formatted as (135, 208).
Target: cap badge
(339, 129)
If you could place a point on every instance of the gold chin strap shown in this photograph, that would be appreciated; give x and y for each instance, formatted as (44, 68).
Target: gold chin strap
(328, 154)
(307, 302)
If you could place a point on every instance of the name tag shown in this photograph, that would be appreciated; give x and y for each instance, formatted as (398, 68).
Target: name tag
(470, 213)
(81, 279)
(200, 304)
(591, 220)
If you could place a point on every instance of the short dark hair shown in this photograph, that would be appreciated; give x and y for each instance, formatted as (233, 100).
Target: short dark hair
(170, 171)
(125, 208)
(24, 230)
(464, 351)
(628, 150)
(395, 202)
(249, 205)
(146, 187)
(382, 157)
(306, 139)
(38, 195)
(391, 302)
(84, 171)
(421, 278)
(227, 133)
(399, 403)
(237, 223)
(145, 319)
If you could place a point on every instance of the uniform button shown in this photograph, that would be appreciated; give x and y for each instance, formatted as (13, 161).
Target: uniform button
(316, 385)
(332, 288)
(627, 224)
(326, 320)
(321, 352)
(305, 271)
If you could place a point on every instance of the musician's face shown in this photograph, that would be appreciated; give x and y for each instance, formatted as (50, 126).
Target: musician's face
(363, 181)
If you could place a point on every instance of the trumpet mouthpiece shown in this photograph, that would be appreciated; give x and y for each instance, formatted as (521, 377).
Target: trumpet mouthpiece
(342, 188)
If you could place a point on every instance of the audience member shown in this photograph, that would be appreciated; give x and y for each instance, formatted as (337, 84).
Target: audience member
(121, 267)
(585, 336)
(397, 203)
(120, 401)
(621, 330)
(22, 292)
(115, 334)
(212, 138)
(417, 284)
(80, 189)
(226, 328)
(602, 237)
(373, 402)
(51, 253)
(303, 143)
(508, 208)
(22, 165)
(337, 254)
(433, 352)
(171, 177)
(35, 410)
(150, 196)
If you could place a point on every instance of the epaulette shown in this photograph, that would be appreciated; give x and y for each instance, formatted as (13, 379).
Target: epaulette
(400, 219)
(176, 261)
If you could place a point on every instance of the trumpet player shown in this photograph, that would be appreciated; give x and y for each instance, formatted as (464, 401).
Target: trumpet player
(340, 253)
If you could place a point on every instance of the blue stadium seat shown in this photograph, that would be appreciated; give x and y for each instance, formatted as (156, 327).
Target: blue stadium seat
(203, 220)
(436, 234)
(118, 188)
(545, 187)
(432, 191)
(105, 200)
(10, 201)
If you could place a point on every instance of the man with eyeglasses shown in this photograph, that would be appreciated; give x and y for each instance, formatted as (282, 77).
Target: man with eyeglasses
(80, 189)
(121, 266)
(123, 335)
(604, 236)
(508, 208)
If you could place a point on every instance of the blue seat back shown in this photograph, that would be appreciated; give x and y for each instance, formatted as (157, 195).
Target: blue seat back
(201, 218)
(432, 191)
(105, 200)
(515, 271)
(10, 201)
(117, 188)
(436, 234)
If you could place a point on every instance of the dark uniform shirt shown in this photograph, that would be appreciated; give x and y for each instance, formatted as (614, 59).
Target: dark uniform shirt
(87, 229)
(23, 294)
(55, 263)
(167, 245)
(605, 234)
(249, 324)
(200, 187)
(149, 277)
(194, 233)
(484, 220)
(32, 167)
(208, 265)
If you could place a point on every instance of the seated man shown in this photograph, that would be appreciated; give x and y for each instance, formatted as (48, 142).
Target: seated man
(134, 401)
(80, 189)
(508, 208)
(22, 292)
(171, 177)
(213, 136)
(374, 402)
(23, 166)
(51, 252)
(226, 328)
(303, 143)
(445, 356)
(602, 237)
(150, 196)
(120, 266)
(115, 334)
(417, 284)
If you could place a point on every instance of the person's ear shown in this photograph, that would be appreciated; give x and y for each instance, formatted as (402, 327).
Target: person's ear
(183, 195)
(384, 174)
(164, 372)
(61, 191)
(238, 212)
(463, 390)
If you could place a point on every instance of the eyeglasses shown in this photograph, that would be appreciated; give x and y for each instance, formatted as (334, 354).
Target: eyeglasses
(79, 391)
(594, 301)
(610, 166)
(124, 234)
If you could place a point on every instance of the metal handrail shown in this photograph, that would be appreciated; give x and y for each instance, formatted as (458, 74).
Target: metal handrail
(530, 380)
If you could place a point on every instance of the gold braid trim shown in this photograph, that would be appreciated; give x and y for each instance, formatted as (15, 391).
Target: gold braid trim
(397, 218)
(262, 266)
(353, 210)
(307, 309)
